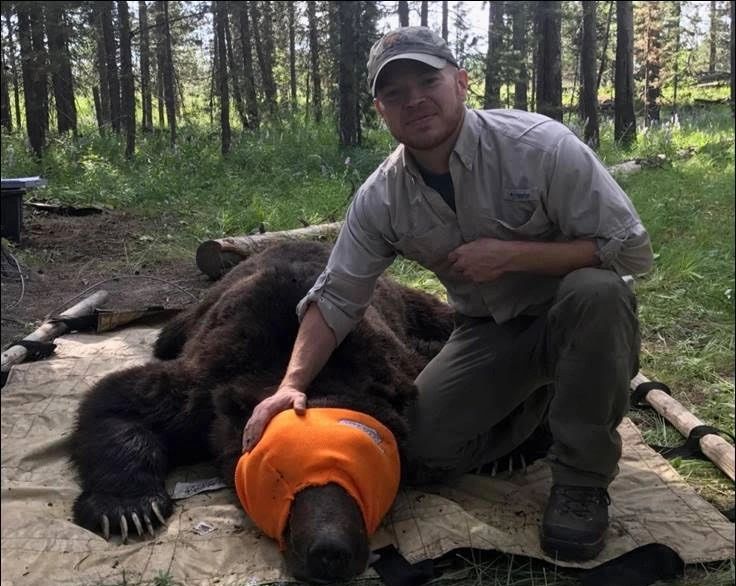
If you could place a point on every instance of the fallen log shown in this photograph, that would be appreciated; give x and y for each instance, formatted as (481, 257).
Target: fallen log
(51, 329)
(216, 257)
(717, 449)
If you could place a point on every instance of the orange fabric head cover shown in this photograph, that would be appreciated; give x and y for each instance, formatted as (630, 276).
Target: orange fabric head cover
(324, 445)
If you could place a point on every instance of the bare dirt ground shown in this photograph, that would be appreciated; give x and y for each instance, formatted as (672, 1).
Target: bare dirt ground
(60, 257)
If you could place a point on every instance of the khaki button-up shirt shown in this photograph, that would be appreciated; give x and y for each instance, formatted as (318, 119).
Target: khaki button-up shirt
(516, 176)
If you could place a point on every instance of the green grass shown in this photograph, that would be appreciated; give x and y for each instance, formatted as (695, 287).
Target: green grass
(291, 172)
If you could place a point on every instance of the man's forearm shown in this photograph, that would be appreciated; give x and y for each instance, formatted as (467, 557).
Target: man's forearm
(486, 259)
(314, 344)
(553, 258)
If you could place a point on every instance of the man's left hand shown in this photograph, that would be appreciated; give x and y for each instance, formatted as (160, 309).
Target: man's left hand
(483, 260)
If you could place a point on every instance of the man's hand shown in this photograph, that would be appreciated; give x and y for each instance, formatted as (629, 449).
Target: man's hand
(483, 260)
(284, 398)
(486, 259)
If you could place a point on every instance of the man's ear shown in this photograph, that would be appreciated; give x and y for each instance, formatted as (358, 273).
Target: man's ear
(462, 83)
(379, 108)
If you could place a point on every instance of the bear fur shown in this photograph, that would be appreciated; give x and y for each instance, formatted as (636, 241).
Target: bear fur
(217, 361)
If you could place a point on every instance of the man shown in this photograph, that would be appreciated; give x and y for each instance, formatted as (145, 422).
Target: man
(530, 235)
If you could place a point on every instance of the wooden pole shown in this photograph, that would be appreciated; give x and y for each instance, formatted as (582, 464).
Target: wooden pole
(50, 330)
(718, 450)
(216, 257)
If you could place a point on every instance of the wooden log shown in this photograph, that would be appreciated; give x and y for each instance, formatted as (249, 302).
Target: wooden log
(718, 450)
(50, 330)
(216, 257)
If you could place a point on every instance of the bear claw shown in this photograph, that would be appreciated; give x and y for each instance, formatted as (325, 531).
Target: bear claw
(137, 523)
(105, 527)
(124, 528)
(157, 511)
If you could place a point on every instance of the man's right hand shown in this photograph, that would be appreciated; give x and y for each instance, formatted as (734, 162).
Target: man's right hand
(284, 398)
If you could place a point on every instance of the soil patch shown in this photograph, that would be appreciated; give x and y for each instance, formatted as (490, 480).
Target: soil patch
(60, 257)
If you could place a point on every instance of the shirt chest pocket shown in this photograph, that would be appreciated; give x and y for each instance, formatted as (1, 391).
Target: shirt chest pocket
(520, 214)
(430, 247)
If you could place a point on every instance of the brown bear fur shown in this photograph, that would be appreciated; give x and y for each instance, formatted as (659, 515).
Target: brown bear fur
(219, 359)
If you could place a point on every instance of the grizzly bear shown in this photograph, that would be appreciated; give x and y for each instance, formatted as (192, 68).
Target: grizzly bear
(217, 360)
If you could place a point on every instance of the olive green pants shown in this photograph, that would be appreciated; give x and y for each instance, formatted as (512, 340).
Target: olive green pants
(493, 384)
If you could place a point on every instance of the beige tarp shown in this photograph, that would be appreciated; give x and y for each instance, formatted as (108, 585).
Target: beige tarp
(209, 540)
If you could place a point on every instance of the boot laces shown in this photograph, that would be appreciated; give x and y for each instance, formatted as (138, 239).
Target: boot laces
(582, 501)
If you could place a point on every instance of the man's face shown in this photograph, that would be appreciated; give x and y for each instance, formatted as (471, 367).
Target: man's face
(422, 106)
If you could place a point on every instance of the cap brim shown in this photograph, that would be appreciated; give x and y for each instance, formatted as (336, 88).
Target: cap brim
(431, 60)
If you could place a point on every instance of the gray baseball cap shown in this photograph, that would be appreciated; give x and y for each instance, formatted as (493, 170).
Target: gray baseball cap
(410, 42)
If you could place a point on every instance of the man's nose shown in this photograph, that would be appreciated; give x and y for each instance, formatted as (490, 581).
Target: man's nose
(415, 95)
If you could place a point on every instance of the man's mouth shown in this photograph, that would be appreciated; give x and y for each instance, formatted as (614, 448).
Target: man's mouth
(419, 119)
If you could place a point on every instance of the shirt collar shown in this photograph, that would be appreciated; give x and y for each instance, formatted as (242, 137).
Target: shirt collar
(465, 147)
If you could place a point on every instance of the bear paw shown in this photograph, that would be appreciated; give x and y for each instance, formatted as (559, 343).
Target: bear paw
(114, 513)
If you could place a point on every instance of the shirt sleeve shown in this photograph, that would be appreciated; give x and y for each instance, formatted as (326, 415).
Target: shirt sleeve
(585, 201)
(344, 289)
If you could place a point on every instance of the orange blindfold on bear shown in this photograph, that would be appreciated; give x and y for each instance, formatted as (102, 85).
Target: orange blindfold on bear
(324, 445)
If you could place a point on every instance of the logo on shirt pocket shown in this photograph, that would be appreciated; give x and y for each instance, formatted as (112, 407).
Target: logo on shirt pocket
(520, 195)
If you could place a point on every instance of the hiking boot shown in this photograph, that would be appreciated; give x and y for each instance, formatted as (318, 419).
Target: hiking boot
(575, 522)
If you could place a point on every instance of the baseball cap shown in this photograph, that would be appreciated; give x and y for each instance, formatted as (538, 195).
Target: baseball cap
(418, 43)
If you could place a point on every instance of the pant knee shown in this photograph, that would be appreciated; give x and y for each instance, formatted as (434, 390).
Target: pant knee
(596, 288)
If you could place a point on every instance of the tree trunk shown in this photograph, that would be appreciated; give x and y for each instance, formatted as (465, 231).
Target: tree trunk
(588, 94)
(6, 118)
(160, 63)
(314, 60)
(605, 46)
(676, 59)
(424, 13)
(549, 74)
(111, 64)
(492, 96)
(127, 88)
(234, 76)
(100, 63)
(61, 70)
(445, 14)
(348, 92)
(145, 60)
(518, 13)
(41, 58)
(220, 20)
(292, 52)
(653, 63)
(713, 40)
(99, 115)
(625, 119)
(263, 36)
(333, 48)
(403, 13)
(168, 72)
(31, 75)
(733, 60)
(7, 11)
(367, 26)
(251, 98)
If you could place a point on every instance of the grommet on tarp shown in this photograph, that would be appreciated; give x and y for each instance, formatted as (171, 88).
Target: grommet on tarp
(638, 396)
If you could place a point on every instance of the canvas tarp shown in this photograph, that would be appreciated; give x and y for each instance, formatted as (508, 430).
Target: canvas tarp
(209, 540)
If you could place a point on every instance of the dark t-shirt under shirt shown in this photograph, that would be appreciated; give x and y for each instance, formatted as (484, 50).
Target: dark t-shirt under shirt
(442, 184)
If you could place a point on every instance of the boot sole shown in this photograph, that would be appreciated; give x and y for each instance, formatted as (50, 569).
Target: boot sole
(571, 551)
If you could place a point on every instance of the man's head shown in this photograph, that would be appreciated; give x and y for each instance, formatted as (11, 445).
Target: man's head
(419, 90)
